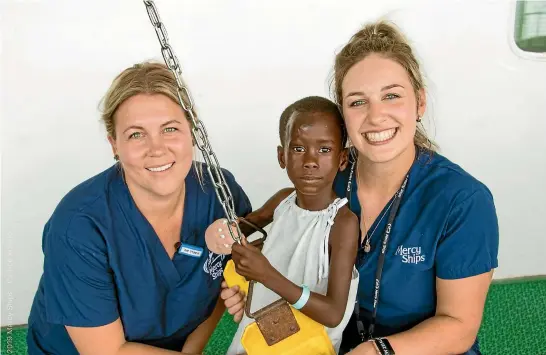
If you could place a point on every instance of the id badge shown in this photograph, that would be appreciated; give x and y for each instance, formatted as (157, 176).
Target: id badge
(190, 250)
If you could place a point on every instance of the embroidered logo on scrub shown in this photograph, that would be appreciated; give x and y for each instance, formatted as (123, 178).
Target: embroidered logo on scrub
(213, 265)
(411, 255)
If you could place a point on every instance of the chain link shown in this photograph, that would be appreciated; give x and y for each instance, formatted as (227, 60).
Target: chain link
(199, 132)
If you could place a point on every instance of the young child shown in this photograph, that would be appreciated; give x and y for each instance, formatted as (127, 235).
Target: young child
(313, 238)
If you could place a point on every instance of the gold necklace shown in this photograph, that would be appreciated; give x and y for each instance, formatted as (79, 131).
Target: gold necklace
(367, 246)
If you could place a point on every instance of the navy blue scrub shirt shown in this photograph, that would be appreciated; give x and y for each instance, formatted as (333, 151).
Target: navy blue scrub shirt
(446, 227)
(103, 260)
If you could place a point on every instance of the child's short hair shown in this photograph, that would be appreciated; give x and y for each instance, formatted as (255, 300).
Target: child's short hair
(311, 104)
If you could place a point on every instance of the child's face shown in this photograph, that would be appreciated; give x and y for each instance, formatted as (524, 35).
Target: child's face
(313, 153)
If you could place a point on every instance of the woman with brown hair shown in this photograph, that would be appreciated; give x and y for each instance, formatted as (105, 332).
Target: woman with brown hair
(428, 229)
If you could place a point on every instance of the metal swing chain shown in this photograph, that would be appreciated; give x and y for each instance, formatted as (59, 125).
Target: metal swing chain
(199, 132)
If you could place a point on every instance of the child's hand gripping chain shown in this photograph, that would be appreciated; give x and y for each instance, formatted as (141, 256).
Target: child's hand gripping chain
(279, 328)
(219, 240)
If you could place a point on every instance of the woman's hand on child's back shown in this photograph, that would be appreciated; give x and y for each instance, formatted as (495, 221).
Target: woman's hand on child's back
(250, 262)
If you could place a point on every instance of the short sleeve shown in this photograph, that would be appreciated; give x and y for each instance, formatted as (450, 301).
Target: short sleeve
(240, 199)
(470, 244)
(79, 287)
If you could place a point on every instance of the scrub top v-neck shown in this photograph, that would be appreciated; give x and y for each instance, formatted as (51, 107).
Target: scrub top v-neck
(103, 260)
(446, 227)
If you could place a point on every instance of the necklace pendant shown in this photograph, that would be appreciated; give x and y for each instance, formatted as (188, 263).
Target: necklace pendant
(367, 247)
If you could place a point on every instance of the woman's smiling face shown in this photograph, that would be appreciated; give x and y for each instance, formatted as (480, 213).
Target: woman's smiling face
(380, 108)
(154, 144)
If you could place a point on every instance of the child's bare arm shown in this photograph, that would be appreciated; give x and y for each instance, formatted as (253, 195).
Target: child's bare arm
(344, 239)
(215, 234)
(264, 215)
(326, 309)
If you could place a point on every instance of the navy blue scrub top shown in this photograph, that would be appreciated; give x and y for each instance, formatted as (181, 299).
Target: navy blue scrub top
(103, 260)
(446, 227)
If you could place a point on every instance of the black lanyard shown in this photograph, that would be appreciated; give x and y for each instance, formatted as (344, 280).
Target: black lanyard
(381, 259)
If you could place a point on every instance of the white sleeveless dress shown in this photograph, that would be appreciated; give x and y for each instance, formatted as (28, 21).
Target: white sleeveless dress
(297, 246)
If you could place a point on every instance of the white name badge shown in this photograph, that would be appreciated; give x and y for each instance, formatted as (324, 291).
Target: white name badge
(190, 250)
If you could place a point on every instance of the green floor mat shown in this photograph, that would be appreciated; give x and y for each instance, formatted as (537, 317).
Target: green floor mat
(14, 341)
(514, 323)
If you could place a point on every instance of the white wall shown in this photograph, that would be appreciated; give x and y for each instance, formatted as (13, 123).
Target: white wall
(245, 61)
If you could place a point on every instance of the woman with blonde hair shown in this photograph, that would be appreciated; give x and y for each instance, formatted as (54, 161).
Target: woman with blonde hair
(126, 268)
